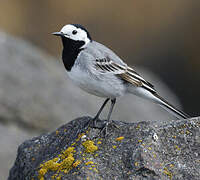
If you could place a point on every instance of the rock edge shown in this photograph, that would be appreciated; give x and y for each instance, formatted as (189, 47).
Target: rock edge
(144, 150)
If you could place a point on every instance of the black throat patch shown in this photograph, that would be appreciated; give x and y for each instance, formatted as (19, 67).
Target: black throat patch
(71, 49)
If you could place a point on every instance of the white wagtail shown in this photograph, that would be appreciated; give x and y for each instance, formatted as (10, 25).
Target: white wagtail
(99, 71)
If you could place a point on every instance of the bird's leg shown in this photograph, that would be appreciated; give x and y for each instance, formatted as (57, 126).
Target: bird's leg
(99, 112)
(113, 101)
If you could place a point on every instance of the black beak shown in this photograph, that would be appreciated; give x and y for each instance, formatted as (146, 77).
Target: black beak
(58, 34)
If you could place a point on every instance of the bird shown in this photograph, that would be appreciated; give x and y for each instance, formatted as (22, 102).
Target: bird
(99, 71)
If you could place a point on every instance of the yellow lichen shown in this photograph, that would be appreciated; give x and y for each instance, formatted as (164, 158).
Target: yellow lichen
(89, 162)
(138, 127)
(66, 171)
(99, 142)
(49, 165)
(119, 138)
(79, 136)
(177, 148)
(67, 162)
(114, 147)
(167, 172)
(187, 132)
(136, 164)
(68, 151)
(77, 163)
(139, 140)
(95, 169)
(89, 146)
(154, 155)
(58, 178)
(62, 163)
(42, 172)
(57, 132)
(149, 148)
(73, 144)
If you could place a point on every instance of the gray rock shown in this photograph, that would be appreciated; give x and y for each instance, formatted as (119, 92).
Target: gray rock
(144, 150)
(11, 137)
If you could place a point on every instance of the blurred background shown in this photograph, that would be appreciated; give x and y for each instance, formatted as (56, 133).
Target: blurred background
(161, 39)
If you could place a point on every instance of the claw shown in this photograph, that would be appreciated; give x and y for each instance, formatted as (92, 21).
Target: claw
(94, 123)
(90, 123)
(104, 130)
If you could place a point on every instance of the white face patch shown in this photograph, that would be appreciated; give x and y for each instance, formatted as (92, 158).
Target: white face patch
(80, 35)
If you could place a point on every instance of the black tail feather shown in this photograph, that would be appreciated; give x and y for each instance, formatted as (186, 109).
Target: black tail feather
(170, 108)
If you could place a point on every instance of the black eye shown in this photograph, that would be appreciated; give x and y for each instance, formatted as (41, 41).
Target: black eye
(74, 32)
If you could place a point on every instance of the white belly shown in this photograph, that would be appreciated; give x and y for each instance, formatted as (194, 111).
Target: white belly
(107, 86)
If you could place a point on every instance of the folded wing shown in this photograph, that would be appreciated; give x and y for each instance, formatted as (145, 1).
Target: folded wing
(126, 73)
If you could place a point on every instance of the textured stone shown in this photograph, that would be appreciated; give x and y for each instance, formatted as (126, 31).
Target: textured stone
(10, 138)
(144, 150)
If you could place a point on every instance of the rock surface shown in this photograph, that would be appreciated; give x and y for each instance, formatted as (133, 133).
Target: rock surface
(144, 150)
(10, 138)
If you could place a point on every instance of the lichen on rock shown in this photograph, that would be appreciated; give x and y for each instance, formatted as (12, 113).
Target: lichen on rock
(128, 152)
(89, 146)
(62, 163)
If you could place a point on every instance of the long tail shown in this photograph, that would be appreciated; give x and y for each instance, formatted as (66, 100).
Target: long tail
(170, 108)
(154, 97)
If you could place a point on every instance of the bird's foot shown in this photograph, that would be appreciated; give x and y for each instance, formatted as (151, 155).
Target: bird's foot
(104, 131)
(95, 123)
(100, 124)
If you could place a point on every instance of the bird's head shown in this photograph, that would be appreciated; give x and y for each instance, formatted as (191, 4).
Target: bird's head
(76, 33)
